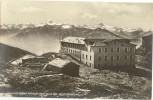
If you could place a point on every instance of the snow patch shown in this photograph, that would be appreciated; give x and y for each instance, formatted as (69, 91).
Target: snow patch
(66, 26)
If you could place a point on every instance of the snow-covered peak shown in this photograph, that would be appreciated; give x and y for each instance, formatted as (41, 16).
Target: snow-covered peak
(3, 27)
(102, 26)
(66, 26)
(49, 22)
(40, 25)
(132, 30)
(85, 26)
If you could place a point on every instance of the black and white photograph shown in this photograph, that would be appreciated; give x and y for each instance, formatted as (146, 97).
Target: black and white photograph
(76, 49)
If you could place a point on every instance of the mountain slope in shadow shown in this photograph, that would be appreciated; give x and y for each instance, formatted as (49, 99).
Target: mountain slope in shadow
(9, 53)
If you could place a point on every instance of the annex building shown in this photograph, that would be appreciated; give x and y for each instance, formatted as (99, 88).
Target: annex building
(99, 53)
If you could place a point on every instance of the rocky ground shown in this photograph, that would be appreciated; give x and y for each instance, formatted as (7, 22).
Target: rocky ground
(92, 83)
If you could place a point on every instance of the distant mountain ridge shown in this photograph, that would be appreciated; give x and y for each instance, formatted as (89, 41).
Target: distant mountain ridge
(44, 37)
(67, 29)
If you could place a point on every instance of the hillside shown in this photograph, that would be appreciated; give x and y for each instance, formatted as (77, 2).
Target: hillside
(9, 53)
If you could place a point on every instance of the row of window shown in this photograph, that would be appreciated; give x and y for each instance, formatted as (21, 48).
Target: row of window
(115, 50)
(89, 64)
(76, 46)
(115, 64)
(116, 57)
(126, 57)
(86, 57)
(73, 51)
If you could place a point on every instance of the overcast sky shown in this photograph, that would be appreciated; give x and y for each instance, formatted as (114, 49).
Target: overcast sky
(130, 15)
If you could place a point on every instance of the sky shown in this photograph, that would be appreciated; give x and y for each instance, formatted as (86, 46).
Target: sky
(124, 15)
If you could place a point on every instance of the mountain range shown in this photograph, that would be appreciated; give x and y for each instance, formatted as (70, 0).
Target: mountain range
(121, 32)
(45, 37)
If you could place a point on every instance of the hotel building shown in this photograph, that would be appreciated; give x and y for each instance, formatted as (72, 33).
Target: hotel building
(99, 53)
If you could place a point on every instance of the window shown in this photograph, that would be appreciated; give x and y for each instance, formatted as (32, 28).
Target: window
(118, 49)
(105, 49)
(122, 44)
(90, 57)
(130, 49)
(99, 58)
(117, 64)
(115, 42)
(98, 65)
(125, 64)
(90, 64)
(111, 65)
(131, 57)
(90, 49)
(86, 56)
(118, 57)
(105, 65)
(83, 56)
(105, 57)
(99, 50)
(111, 57)
(125, 49)
(125, 57)
(111, 49)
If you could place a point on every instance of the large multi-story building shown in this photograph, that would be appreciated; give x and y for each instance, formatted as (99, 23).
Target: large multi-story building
(99, 53)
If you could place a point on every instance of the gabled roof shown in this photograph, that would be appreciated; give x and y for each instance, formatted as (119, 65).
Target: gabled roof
(77, 40)
(59, 62)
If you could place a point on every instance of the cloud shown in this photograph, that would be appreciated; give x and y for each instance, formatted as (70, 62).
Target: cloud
(30, 10)
(118, 8)
(89, 16)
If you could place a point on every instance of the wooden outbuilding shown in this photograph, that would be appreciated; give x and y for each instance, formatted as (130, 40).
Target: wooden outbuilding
(63, 66)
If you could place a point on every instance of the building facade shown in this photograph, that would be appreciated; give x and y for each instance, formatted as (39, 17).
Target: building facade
(99, 53)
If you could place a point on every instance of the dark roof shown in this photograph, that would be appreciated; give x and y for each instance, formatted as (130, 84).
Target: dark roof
(99, 44)
(102, 42)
